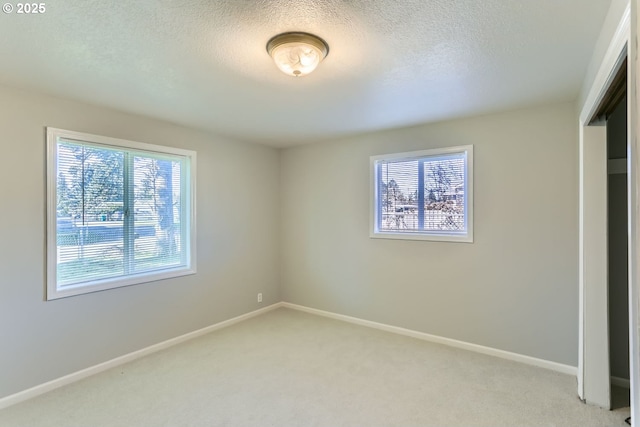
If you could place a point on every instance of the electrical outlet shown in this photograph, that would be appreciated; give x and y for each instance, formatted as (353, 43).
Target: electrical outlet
(260, 297)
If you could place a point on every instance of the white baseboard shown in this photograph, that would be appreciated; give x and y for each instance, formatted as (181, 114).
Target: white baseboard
(84, 373)
(554, 366)
(621, 382)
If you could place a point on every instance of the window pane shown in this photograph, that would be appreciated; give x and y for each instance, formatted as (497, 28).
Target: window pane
(423, 195)
(89, 213)
(119, 213)
(399, 196)
(157, 213)
(444, 193)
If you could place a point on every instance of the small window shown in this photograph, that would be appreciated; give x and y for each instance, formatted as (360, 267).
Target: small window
(423, 195)
(119, 213)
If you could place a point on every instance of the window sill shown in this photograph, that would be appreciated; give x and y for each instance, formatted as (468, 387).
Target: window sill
(434, 237)
(118, 282)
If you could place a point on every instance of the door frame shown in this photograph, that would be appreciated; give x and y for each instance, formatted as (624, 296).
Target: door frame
(593, 354)
(633, 183)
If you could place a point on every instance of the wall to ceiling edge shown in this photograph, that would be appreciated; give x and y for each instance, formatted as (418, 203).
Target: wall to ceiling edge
(609, 27)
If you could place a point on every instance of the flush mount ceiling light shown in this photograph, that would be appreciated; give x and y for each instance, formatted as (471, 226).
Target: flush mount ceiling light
(297, 53)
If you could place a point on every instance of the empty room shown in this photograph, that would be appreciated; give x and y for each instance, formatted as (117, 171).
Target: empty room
(336, 213)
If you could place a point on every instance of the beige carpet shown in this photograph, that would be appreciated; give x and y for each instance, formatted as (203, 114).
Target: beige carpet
(288, 368)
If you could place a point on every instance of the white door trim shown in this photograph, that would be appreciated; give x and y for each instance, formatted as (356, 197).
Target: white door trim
(615, 53)
(633, 183)
(593, 351)
(594, 361)
(593, 367)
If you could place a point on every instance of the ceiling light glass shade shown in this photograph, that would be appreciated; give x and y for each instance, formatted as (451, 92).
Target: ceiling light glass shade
(297, 54)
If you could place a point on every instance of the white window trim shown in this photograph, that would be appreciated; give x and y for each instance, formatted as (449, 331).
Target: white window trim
(444, 236)
(53, 292)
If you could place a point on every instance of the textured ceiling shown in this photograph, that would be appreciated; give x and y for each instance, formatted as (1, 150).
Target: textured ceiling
(392, 63)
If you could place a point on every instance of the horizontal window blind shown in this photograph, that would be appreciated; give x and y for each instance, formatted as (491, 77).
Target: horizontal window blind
(422, 193)
(89, 213)
(120, 213)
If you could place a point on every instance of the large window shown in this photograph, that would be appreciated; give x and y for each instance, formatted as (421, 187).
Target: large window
(424, 195)
(119, 213)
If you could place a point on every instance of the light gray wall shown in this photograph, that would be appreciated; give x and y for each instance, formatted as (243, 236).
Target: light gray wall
(515, 288)
(611, 21)
(238, 245)
(617, 245)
